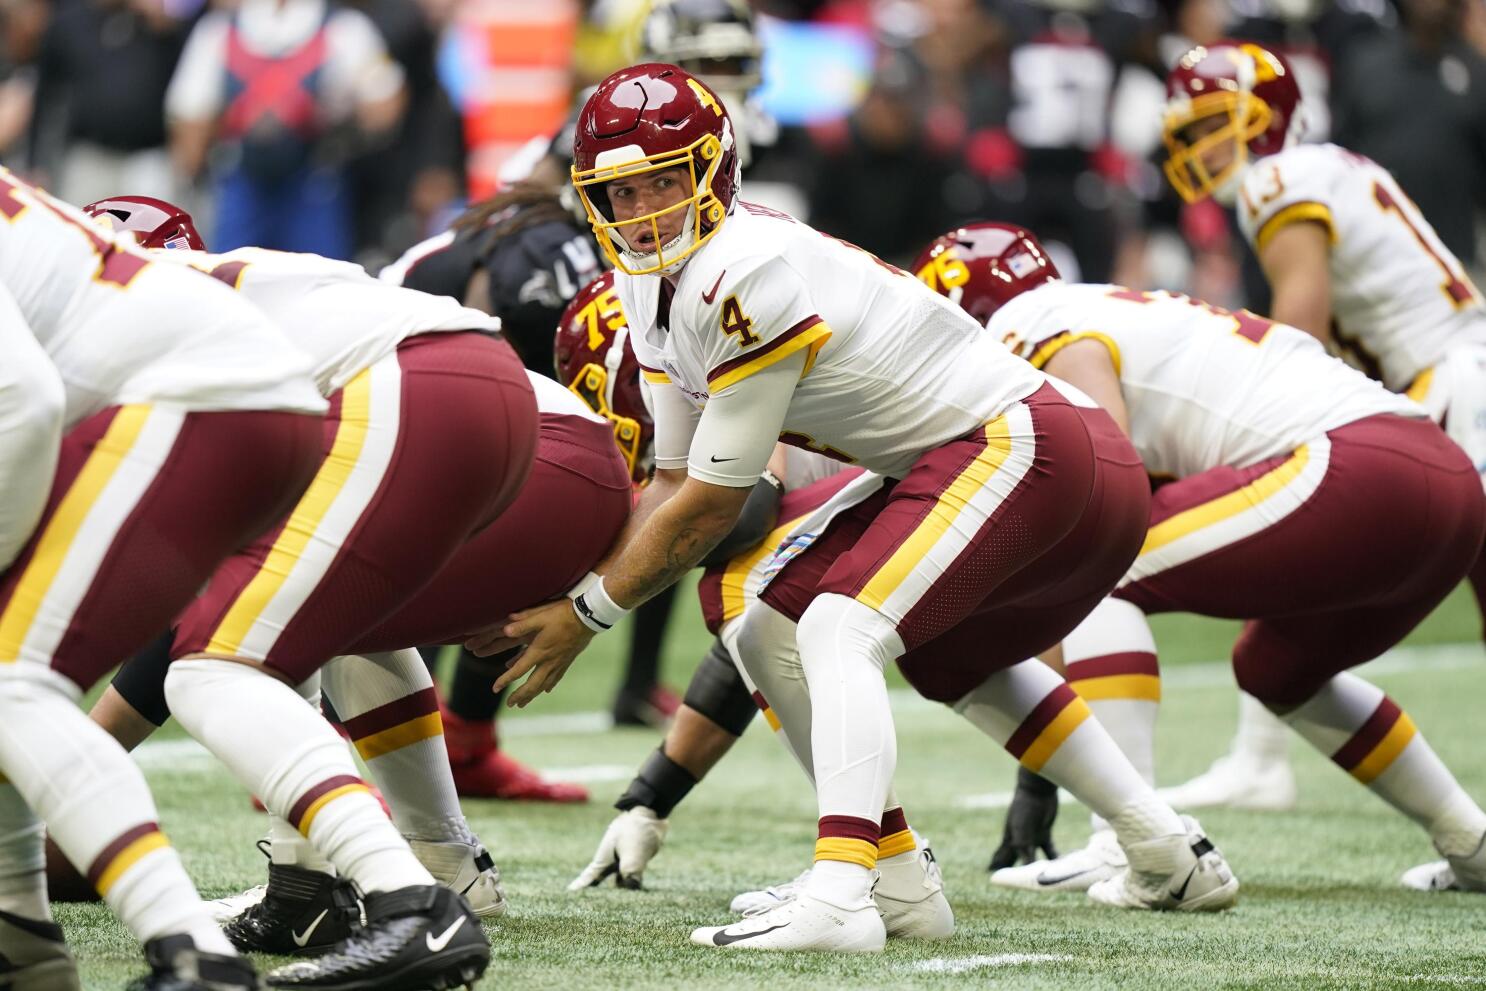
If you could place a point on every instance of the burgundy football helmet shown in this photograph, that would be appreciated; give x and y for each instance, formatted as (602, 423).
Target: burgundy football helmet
(646, 119)
(1250, 96)
(984, 266)
(154, 223)
(595, 361)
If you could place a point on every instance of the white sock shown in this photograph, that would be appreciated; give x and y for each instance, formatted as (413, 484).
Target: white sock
(286, 846)
(845, 647)
(301, 771)
(839, 883)
(1041, 722)
(94, 800)
(1262, 736)
(1110, 661)
(1368, 736)
(388, 704)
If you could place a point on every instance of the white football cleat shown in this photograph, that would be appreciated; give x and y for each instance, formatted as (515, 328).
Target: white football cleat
(1237, 781)
(1077, 870)
(910, 898)
(467, 870)
(802, 923)
(1450, 874)
(1182, 873)
(754, 902)
(229, 908)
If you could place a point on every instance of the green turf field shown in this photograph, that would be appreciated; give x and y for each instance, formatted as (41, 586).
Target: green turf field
(1320, 908)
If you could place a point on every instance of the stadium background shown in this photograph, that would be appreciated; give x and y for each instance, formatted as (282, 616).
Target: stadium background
(896, 119)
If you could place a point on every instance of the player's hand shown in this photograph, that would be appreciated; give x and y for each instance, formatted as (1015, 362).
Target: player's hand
(631, 840)
(554, 636)
(1029, 822)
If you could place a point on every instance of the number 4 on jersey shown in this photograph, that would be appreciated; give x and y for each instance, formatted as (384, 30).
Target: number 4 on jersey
(735, 322)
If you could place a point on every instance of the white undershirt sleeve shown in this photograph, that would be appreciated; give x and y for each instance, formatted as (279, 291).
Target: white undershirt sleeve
(741, 424)
(675, 422)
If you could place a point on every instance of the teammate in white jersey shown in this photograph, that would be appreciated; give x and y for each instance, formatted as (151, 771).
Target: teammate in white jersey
(191, 425)
(1350, 260)
(417, 383)
(785, 334)
(1302, 497)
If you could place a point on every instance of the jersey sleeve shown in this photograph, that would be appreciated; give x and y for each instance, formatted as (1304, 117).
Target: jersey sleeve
(1285, 189)
(757, 320)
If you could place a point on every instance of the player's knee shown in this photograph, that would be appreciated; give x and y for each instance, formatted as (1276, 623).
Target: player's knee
(1277, 685)
(717, 691)
(838, 626)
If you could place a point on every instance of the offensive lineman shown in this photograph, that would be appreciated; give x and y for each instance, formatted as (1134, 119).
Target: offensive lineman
(1349, 260)
(191, 425)
(1279, 458)
(785, 334)
(416, 383)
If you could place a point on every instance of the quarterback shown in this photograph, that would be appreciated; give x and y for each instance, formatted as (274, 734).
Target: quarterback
(752, 328)
(1350, 260)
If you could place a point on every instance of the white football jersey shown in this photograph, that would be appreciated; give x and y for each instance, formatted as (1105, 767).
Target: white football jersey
(1204, 387)
(1399, 298)
(893, 369)
(121, 329)
(344, 319)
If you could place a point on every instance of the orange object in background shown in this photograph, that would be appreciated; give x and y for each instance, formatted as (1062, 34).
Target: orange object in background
(525, 79)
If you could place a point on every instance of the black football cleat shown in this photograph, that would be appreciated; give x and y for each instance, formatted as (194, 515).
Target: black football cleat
(34, 956)
(302, 912)
(177, 965)
(415, 938)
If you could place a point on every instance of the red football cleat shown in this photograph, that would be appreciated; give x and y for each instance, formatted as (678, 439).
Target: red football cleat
(482, 771)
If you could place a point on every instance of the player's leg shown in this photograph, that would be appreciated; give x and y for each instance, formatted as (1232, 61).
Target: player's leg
(88, 590)
(642, 699)
(481, 768)
(1364, 732)
(389, 707)
(909, 893)
(367, 534)
(1255, 773)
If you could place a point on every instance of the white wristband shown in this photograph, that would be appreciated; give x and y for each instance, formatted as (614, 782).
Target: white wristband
(596, 610)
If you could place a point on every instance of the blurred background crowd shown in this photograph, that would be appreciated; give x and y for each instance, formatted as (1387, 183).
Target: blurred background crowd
(357, 128)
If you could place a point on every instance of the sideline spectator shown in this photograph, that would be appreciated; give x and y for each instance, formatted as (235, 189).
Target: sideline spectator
(99, 126)
(283, 87)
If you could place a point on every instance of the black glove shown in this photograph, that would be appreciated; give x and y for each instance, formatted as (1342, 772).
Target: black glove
(1029, 822)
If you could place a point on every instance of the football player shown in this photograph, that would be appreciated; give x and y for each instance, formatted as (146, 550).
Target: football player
(1350, 260)
(752, 328)
(416, 383)
(595, 357)
(1276, 456)
(190, 424)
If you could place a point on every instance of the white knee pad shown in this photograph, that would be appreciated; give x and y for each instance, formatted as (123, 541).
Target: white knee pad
(837, 624)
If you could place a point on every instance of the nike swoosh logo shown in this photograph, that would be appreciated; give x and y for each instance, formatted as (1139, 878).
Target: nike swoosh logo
(437, 943)
(710, 295)
(717, 461)
(300, 939)
(1181, 892)
(1048, 882)
(723, 938)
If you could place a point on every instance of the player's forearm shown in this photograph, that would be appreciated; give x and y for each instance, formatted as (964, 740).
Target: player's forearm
(1305, 307)
(675, 537)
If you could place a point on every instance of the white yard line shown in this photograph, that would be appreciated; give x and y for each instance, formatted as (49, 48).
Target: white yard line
(963, 965)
